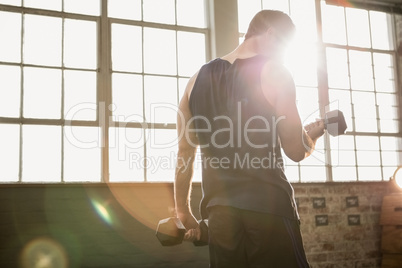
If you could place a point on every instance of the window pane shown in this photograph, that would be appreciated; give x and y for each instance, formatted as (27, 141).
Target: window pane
(87, 7)
(391, 143)
(389, 126)
(11, 2)
(340, 100)
(292, 173)
(337, 64)
(369, 173)
(126, 48)
(344, 174)
(126, 154)
(160, 59)
(44, 4)
(247, 9)
(10, 32)
(80, 41)
(191, 50)
(9, 152)
(342, 142)
(41, 153)
(42, 93)
(361, 70)
(307, 104)
(387, 106)
(161, 11)
(343, 158)
(303, 66)
(161, 154)
(390, 158)
(191, 13)
(125, 9)
(333, 24)
(368, 158)
(365, 112)
(367, 143)
(358, 27)
(45, 50)
(276, 5)
(303, 15)
(82, 154)
(127, 98)
(384, 72)
(160, 99)
(313, 174)
(79, 95)
(10, 91)
(381, 33)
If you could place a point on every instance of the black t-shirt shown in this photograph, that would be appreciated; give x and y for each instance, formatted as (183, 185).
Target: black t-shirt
(236, 127)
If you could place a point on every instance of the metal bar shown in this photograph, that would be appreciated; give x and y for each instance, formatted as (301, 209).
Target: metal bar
(158, 25)
(48, 67)
(104, 86)
(43, 12)
(323, 88)
(50, 122)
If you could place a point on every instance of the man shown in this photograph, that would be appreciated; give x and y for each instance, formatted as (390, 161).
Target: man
(241, 110)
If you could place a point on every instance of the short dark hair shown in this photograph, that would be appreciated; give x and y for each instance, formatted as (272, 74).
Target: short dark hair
(267, 18)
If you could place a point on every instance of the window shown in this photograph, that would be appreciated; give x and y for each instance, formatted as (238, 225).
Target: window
(89, 93)
(358, 55)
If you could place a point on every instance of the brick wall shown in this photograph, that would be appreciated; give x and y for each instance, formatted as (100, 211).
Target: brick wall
(345, 230)
(114, 226)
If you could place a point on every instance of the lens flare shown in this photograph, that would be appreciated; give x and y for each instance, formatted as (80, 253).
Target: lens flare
(102, 211)
(43, 252)
(398, 177)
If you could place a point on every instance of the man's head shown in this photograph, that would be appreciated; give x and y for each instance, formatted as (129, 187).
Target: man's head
(276, 21)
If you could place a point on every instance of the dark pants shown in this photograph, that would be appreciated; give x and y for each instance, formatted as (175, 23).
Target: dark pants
(243, 238)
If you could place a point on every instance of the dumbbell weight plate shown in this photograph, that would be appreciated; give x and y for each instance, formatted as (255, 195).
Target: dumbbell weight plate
(170, 231)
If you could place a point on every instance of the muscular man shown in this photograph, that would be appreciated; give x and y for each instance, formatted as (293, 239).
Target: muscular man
(241, 111)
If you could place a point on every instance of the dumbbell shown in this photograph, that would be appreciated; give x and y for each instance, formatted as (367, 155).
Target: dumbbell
(171, 231)
(334, 123)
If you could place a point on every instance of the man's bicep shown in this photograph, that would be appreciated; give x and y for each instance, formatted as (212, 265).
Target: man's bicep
(289, 126)
(185, 125)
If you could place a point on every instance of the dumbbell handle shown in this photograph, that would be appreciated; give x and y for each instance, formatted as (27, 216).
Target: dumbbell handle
(199, 235)
(334, 123)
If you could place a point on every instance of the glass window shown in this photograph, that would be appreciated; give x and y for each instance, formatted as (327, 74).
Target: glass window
(82, 155)
(160, 11)
(10, 91)
(10, 32)
(79, 95)
(160, 59)
(191, 13)
(45, 50)
(126, 48)
(47, 141)
(127, 98)
(126, 154)
(87, 7)
(80, 44)
(42, 93)
(44, 4)
(9, 152)
(358, 76)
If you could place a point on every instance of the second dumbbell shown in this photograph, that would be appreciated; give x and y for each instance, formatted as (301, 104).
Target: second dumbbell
(171, 232)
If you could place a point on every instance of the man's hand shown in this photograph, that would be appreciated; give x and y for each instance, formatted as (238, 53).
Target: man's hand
(315, 129)
(193, 234)
(188, 220)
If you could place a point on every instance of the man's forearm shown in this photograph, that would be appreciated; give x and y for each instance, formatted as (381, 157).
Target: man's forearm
(182, 183)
